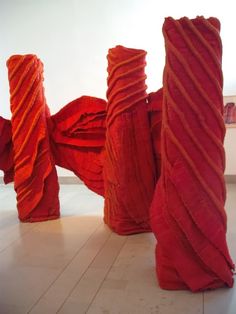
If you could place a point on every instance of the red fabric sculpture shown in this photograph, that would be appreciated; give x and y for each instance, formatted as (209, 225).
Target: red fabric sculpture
(78, 137)
(35, 178)
(6, 153)
(155, 117)
(129, 173)
(118, 152)
(187, 213)
(73, 138)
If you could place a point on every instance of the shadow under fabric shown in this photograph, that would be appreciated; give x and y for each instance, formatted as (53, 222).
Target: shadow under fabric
(35, 178)
(129, 169)
(187, 212)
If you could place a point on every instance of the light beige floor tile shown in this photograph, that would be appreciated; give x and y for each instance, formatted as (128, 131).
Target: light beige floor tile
(153, 301)
(10, 227)
(22, 286)
(88, 286)
(136, 262)
(46, 248)
(222, 301)
(46, 306)
(131, 286)
(12, 232)
(75, 264)
(39, 253)
(66, 282)
(12, 309)
(74, 307)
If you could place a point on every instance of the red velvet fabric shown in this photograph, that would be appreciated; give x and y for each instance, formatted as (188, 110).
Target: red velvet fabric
(155, 100)
(35, 178)
(129, 173)
(180, 127)
(77, 138)
(187, 213)
(6, 152)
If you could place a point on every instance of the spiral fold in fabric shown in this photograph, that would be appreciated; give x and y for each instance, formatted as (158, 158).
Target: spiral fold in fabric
(35, 178)
(187, 213)
(129, 173)
(157, 158)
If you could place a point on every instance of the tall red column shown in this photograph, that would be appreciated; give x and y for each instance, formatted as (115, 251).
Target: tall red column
(35, 178)
(187, 214)
(129, 170)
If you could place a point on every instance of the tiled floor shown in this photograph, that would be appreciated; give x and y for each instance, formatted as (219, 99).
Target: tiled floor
(77, 265)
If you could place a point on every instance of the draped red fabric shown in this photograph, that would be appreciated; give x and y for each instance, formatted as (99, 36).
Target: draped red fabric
(6, 152)
(129, 170)
(77, 138)
(187, 213)
(155, 116)
(35, 178)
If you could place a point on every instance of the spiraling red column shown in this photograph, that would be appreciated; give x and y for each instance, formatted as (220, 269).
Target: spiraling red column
(188, 215)
(129, 170)
(35, 178)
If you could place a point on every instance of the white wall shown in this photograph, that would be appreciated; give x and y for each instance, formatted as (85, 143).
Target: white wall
(72, 38)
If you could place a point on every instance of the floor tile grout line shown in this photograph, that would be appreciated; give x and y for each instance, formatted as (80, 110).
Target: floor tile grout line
(105, 277)
(64, 268)
(84, 272)
(23, 235)
(96, 296)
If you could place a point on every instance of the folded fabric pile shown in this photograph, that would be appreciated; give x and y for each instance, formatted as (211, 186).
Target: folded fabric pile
(77, 134)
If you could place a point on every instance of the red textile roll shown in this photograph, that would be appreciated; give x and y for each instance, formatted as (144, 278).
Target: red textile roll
(6, 153)
(78, 136)
(129, 172)
(35, 178)
(187, 212)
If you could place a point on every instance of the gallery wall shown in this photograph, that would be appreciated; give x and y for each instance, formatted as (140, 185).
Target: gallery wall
(72, 38)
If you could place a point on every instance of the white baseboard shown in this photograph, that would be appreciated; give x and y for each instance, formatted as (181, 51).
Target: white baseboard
(69, 180)
(62, 180)
(229, 178)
